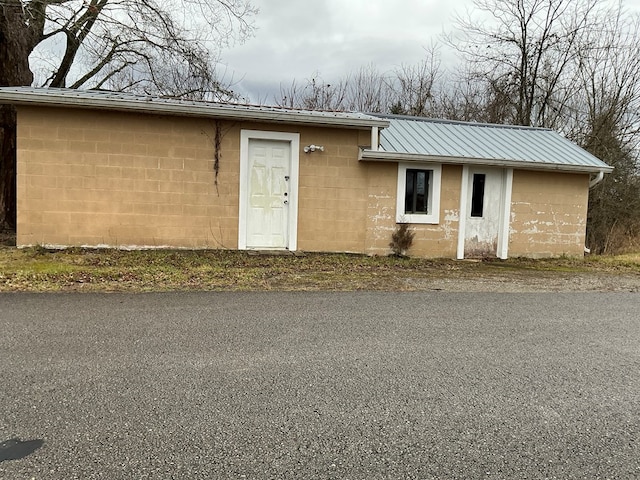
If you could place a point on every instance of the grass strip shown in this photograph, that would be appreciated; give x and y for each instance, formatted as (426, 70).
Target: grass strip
(39, 270)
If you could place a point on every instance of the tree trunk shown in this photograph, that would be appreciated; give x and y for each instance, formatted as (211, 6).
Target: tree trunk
(8, 167)
(16, 43)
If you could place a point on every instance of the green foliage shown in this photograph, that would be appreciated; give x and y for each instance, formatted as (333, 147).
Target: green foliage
(397, 109)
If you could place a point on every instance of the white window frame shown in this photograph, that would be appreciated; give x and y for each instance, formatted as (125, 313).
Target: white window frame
(433, 202)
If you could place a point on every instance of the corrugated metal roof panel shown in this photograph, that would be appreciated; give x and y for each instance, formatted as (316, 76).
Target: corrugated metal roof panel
(441, 138)
(166, 105)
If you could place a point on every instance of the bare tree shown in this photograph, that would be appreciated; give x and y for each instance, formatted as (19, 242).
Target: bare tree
(609, 128)
(416, 87)
(92, 41)
(365, 91)
(315, 94)
(409, 90)
(527, 51)
(152, 46)
(368, 90)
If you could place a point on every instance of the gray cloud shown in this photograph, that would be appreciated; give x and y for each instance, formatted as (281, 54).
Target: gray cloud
(294, 40)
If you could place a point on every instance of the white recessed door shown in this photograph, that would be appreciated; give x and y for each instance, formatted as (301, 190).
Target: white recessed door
(268, 195)
(483, 212)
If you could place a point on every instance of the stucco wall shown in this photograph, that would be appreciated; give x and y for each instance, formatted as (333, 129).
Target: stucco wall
(548, 214)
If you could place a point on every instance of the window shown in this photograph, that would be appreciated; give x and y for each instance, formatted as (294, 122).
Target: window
(418, 196)
(477, 195)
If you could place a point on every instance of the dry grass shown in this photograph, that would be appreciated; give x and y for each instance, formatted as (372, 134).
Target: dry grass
(39, 270)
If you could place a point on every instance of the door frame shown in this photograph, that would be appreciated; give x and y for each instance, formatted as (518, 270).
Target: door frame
(294, 142)
(506, 186)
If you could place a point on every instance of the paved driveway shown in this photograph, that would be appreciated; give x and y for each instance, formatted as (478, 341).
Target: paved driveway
(320, 385)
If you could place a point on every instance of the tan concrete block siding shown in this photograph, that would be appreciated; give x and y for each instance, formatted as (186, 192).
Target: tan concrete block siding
(332, 192)
(105, 178)
(381, 206)
(441, 240)
(430, 240)
(548, 214)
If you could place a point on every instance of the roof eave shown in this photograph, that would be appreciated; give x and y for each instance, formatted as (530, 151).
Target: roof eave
(381, 156)
(191, 110)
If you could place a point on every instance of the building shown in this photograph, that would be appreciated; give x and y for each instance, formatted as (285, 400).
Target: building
(104, 169)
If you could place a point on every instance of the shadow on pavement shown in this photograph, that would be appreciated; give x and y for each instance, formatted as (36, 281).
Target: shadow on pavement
(15, 449)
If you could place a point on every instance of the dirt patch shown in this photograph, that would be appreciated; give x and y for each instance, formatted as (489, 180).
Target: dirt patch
(509, 282)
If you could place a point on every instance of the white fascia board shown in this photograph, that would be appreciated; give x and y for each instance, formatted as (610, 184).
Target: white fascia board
(231, 111)
(379, 156)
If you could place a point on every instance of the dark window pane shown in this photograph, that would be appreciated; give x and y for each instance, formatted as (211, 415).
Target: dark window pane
(421, 192)
(409, 191)
(416, 198)
(477, 195)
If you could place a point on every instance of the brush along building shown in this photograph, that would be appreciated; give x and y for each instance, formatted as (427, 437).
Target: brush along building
(102, 169)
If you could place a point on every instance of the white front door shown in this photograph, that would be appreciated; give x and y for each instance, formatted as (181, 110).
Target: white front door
(484, 205)
(269, 173)
(268, 200)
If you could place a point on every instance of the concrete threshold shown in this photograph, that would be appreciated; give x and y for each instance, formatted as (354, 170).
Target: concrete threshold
(276, 253)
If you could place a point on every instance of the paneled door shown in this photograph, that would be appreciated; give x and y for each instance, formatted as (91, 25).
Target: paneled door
(269, 170)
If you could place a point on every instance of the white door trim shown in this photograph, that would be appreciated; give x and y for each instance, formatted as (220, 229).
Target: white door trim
(294, 141)
(462, 222)
(505, 214)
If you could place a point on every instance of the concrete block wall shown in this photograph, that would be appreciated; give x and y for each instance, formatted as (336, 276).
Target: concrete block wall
(548, 214)
(441, 240)
(123, 180)
(332, 191)
(430, 240)
(99, 178)
(381, 206)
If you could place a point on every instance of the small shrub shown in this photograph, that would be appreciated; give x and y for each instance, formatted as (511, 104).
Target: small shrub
(39, 250)
(401, 239)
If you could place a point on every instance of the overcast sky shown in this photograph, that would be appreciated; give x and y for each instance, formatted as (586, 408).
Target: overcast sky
(296, 38)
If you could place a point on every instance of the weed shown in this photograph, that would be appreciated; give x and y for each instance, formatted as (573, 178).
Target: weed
(401, 239)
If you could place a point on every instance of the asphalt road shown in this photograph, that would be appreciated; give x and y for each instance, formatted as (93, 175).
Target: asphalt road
(320, 385)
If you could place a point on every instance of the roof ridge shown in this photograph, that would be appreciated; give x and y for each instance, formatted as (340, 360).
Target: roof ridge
(157, 97)
(414, 118)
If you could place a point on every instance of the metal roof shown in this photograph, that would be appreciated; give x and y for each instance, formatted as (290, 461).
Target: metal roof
(415, 138)
(106, 100)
